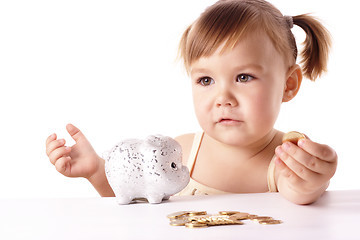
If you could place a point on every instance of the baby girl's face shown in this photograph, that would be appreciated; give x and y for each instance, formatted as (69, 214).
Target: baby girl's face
(238, 93)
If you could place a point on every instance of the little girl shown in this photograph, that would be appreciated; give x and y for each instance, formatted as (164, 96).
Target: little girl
(241, 57)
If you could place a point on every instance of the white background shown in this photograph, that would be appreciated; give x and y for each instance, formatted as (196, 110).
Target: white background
(110, 68)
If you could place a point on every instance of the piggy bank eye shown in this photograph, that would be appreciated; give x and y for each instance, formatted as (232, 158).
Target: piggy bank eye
(173, 166)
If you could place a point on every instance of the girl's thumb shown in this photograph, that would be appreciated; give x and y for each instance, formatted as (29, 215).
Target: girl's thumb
(74, 132)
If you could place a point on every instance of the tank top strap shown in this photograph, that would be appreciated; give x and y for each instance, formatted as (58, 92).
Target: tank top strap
(271, 176)
(194, 151)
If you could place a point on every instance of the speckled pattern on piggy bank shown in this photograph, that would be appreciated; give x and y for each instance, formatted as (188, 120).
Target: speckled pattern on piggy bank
(150, 168)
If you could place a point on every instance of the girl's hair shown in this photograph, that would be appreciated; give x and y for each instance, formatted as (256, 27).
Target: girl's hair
(227, 21)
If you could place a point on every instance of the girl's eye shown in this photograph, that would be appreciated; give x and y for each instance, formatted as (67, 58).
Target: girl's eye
(244, 78)
(206, 81)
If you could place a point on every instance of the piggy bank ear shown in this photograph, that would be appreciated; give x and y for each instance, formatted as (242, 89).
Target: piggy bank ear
(155, 141)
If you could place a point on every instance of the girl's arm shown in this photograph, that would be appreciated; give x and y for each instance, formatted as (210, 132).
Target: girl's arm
(100, 182)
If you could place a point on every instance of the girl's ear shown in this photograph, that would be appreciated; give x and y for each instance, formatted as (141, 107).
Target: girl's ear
(293, 83)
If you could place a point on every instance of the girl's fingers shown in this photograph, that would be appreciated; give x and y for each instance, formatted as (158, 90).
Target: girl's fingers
(289, 152)
(286, 172)
(320, 151)
(297, 167)
(51, 138)
(58, 153)
(51, 146)
(62, 165)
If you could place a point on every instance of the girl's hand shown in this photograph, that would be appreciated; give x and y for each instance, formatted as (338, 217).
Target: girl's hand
(304, 170)
(79, 160)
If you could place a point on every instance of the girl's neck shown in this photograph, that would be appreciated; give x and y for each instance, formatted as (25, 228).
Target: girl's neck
(262, 148)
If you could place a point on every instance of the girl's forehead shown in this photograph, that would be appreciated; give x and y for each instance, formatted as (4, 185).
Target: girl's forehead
(251, 38)
(252, 45)
(255, 51)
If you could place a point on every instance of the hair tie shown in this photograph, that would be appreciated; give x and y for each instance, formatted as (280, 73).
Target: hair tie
(289, 20)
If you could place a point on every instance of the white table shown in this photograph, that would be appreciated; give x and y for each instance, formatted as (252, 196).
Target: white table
(335, 216)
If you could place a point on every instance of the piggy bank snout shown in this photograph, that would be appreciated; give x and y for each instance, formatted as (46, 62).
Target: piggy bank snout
(185, 171)
(181, 178)
(186, 175)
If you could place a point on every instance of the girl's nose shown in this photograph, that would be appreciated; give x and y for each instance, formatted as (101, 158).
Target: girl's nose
(225, 98)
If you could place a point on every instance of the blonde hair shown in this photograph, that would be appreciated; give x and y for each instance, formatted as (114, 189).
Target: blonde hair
(227, 21)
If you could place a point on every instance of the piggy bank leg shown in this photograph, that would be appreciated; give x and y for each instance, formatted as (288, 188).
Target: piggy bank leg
(155, 199)
(123, 200)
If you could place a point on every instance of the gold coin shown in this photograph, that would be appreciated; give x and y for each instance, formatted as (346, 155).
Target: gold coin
(225, 221)
(177, 214)
(195, 225)
(228, 212)
(199, 217)
(270, 222)
(216, 223)
(184, 217)
(194, 213)
(240, 216)
(293, 137)
(236, 222)
(262, 218)
(199, 220)
(216, 220)
(179, 222)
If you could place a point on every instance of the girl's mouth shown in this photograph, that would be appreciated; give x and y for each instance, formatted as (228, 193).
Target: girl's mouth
(229, 121)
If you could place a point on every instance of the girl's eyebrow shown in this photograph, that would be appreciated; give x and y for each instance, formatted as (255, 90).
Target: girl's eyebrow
(198, 70)
(255, 66)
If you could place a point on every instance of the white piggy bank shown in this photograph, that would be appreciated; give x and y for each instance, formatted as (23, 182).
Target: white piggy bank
(150, 168)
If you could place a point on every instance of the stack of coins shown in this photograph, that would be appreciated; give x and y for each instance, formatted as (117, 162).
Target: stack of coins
(265, 220)
(182, 218)
(214, 220)
(200, 219)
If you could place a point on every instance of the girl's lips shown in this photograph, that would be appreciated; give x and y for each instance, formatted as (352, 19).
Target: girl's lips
(228, 121)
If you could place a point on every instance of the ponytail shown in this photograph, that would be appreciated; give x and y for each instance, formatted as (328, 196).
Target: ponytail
(316, 46)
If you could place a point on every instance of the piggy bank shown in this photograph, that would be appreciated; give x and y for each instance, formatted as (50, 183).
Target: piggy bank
(150, 168)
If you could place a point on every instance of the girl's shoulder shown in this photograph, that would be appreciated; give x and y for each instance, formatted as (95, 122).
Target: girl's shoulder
(186, 141)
